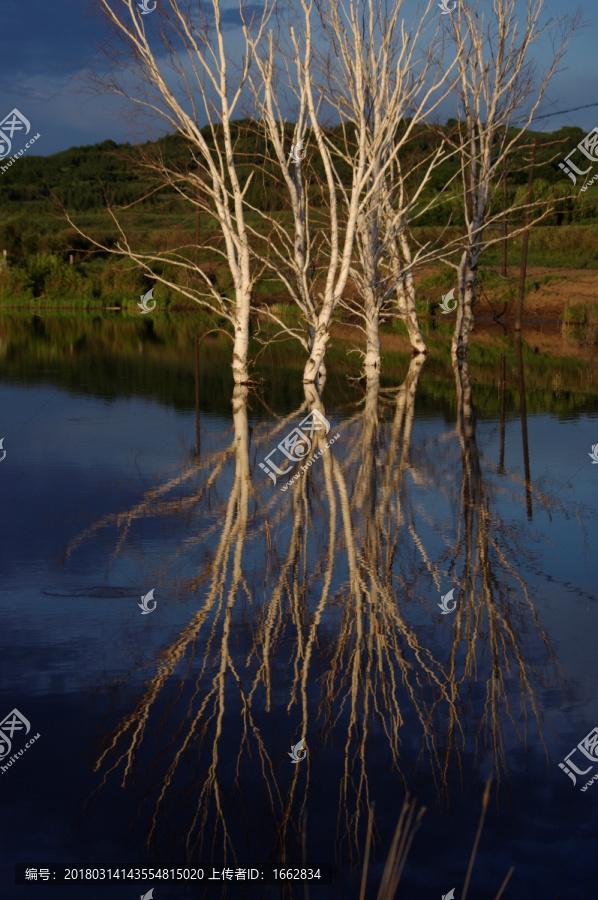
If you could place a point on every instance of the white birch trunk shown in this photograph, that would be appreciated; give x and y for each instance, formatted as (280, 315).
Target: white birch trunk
(468, 279)
(241, 339)
(372, 331)
(406, 301)
(201, 54)
(313, 366)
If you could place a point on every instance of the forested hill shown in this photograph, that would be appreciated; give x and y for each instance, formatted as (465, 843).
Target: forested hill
(82, 177)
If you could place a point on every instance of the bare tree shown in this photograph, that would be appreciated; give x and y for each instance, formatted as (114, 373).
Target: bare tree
(292, 261)
(370, 60)
(497, 91)
(383, 81)
(289, 255)
(184, 78)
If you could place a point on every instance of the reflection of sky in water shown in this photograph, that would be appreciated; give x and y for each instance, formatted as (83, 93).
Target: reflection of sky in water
(79, 459)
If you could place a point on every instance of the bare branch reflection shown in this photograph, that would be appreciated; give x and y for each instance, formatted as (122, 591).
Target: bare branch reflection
(316, 616)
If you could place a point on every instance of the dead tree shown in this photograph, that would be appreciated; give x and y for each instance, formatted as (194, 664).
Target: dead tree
(186, 78)
(369, 60)
(497, 92)
(383, 80)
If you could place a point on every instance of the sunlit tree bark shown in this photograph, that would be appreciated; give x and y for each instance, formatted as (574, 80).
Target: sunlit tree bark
(377, 78)
(383, 82)
(497, 90)
(292, 257)
(186, 78)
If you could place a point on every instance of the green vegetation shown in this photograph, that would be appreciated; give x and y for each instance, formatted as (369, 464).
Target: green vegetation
(578, 314)
(580, 322)
(38, 240)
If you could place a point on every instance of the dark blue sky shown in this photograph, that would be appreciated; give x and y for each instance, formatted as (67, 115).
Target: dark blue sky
(46, 46)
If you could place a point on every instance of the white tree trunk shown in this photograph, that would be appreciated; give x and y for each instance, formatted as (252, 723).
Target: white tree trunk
(241, 340)
(468, 279)
(408, 313)
(406, 295)
(212, 182)
(372, 331)
(314, 370)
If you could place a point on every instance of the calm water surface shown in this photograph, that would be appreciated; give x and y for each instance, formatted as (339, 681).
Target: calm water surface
(311, 613)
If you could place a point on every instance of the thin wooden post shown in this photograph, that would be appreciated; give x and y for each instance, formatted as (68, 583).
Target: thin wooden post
(528, 213)
(501, 462)
(523, 410)
(504, 223)
(197, 231)
(197, 396)
(70, 259)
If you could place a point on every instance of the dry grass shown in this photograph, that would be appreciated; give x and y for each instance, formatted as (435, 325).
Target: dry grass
(407, 826)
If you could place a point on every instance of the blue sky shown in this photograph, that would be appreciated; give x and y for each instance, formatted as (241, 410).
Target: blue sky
(47, 47)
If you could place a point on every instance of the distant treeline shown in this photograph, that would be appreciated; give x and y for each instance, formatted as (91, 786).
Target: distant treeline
(83, 178)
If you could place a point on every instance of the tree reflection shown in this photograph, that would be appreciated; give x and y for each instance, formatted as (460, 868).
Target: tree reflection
(495, 615)
(317, 613)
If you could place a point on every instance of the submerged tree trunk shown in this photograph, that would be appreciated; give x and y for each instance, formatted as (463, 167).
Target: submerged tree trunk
(468, 279)
(241, 339)
(315, 370)
(408, 314)
(372, 331)
(407, 311)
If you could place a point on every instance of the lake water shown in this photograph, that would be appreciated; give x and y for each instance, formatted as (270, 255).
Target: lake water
(307, 614)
